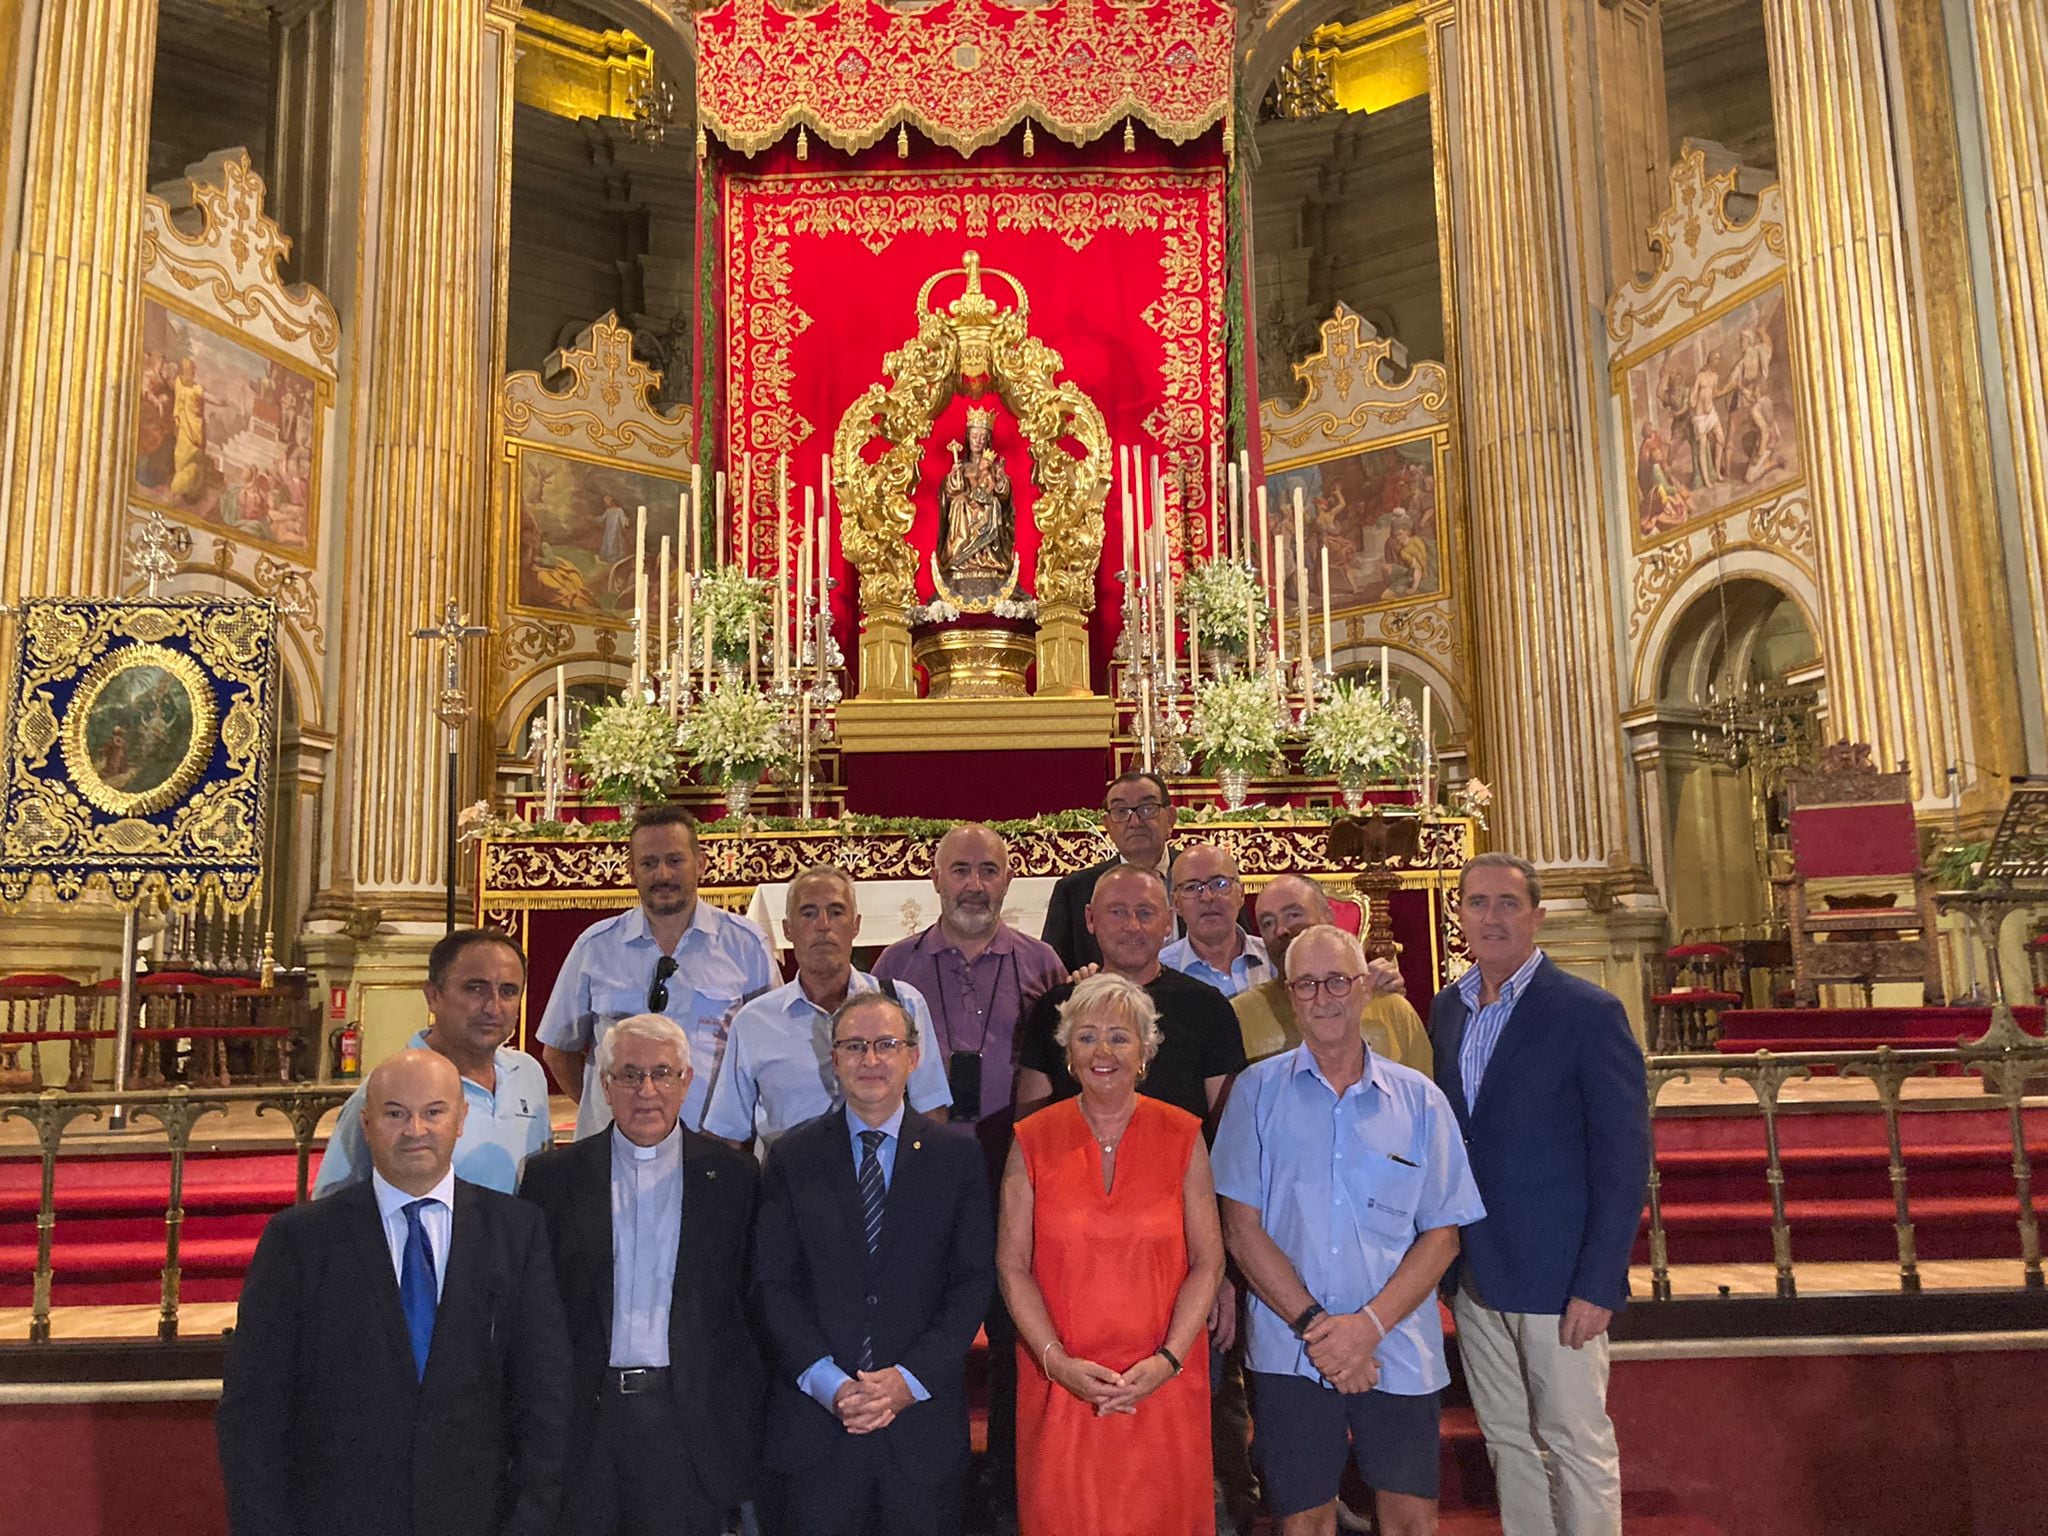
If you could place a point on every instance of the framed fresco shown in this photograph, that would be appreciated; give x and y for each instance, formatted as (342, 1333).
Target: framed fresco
(1710, 416)
(228, 431)
(573, 516)
(1378, 510)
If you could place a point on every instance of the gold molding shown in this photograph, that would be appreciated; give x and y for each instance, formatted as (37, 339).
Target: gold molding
(974, 725)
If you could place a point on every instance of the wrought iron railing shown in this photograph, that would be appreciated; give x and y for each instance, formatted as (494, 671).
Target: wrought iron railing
(2006, 1060)
(177, 1110)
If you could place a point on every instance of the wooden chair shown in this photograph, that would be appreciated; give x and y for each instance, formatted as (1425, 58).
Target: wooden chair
(37, 1008)
(1694, 990)
(1853, 832)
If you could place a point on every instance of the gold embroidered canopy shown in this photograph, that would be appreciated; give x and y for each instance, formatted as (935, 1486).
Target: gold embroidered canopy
(962, 72)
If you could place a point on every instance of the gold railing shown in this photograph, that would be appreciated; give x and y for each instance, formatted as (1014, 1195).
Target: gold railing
(177, 1110)
(2006, 1060)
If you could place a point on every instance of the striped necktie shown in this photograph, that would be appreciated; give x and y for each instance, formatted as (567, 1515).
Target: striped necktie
(872, 1193)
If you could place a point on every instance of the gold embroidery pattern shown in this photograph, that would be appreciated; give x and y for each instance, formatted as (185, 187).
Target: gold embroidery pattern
(962, 72)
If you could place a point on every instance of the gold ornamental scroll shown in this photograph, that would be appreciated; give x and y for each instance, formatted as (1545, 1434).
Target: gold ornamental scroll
(971, 346)
(963, 72)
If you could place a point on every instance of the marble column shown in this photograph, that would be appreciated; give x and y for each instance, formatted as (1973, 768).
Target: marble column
(81, 74)
(1549, 728)
(2010, 43)
(417, 534)
(1916, 663)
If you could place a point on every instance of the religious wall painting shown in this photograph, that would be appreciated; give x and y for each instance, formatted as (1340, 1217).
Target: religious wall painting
(576, 515)
(1710, 416)
(1379, 513)
(228, 432)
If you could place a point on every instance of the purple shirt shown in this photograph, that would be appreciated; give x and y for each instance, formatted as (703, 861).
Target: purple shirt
(977, 1005)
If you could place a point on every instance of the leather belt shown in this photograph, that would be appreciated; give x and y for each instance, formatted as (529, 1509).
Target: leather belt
(627, 1380)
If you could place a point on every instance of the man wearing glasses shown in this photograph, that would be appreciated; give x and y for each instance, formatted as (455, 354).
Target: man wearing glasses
(1209, 897)
(777, 1071)
(874, 1262)
(1138, 813)
(648, 1227)
(1291, 905)
(1343, 1181)
(672, 954)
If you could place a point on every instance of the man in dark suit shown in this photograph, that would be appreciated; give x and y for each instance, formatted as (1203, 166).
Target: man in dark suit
(874, 1262)
(1138, 812)
(1546, 1079)
(399, 1362)
(648, 1223)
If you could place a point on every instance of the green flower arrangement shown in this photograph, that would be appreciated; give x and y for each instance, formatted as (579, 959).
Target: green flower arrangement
(1356, 732)
(736, 606)
(627, 751)
(735, 735)
(1236, 725)
(1217, 592)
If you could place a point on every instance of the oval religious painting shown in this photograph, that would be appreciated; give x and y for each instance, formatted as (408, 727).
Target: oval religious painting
(139, 730)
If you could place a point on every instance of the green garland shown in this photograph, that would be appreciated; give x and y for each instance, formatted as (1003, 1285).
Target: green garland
(707, 351)
(919, 828)
(1235, 425)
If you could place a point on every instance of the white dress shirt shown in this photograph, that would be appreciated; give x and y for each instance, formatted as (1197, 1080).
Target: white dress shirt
(438, 1219)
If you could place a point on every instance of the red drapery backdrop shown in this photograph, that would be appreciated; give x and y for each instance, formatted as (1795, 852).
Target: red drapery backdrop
(1120, 251)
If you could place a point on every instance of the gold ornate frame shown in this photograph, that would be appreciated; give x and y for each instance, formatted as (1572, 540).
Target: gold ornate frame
(85, 774)
(970, 347)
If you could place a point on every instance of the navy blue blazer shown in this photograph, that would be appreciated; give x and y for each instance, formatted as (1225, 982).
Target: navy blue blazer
(922, 1296)
(1559, 1143)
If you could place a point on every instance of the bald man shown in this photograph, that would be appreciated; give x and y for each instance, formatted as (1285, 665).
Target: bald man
(399, 1364)
(1289, 906)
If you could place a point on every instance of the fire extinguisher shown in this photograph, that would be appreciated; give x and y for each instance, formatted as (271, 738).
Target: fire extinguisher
(345, 1044)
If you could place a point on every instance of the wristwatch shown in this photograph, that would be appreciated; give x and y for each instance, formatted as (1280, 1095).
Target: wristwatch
(1300, 1325)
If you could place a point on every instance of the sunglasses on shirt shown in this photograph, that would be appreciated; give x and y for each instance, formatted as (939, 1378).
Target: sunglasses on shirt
(657, 994)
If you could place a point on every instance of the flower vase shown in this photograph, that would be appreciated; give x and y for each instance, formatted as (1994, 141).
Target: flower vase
(1234, 781)
(1223, 664)
(739, 795)
(1351, 785)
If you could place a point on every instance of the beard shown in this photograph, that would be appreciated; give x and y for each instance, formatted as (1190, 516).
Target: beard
(972, 921)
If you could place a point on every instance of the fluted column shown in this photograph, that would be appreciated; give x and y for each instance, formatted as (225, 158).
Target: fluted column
(67, 369)
(1915, 665)
(416, 536)
(1548, 719)
(2011, 47)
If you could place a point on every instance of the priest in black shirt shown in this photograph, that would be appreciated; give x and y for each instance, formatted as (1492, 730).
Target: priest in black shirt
(1202, 1047)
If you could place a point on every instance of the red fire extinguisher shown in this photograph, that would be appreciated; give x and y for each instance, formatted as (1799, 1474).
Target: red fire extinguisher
(346, 1043)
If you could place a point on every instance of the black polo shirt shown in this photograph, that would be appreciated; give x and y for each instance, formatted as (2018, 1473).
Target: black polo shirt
(1199, 1039)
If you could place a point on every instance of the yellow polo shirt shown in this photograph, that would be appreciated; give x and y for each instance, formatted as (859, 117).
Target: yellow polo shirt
(1392, 1028)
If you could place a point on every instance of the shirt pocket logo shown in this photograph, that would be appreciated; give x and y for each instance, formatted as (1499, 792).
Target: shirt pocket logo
(1392, 1191)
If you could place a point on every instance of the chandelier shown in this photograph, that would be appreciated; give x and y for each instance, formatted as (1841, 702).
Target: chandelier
(653, 105)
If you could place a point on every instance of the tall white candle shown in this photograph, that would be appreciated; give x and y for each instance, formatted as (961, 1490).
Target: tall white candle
(1280, 609)
(718, 549)
(1265, 544)
(1308, 655)
(661, 604)
(562, 697)
(694, 543)
(685, 635)
(1215, 486)
(1426, 747)
(746, 516)
(1386, 679)
(639, 598)
(1232, 513)
(1329, 652)
(1166, 633)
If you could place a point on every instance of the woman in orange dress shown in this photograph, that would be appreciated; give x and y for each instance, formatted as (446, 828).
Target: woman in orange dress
(1109, 1253)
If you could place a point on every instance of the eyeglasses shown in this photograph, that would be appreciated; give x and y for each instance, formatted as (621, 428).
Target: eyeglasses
(657, 994)
(1305, 988)
(1144, 810)
(1215, 885)
(888, 1048)
(661, 1077)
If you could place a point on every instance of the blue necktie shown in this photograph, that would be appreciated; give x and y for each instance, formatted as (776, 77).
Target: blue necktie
(872, 1191)
(416, 1285)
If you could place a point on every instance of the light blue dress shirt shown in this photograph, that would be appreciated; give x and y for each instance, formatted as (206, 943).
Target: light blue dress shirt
(1251, 966)
(501, 1131)
(777, 1072)
(823, 1378)
(721, 961)
(1483, 1026)
(647, 1226)
(438, 1219)
(1343, 1183)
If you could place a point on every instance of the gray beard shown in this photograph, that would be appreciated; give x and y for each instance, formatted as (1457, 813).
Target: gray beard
(969, 923)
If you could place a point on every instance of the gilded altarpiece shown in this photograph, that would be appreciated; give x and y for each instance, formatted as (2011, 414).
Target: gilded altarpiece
(582, 449)
(1372, 456)
(236, 386)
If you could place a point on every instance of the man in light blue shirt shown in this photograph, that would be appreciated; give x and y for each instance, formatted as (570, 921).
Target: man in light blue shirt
(475, 980)
(1343, 1182)
(673, 954)
(1208, 895)
(777, 1072)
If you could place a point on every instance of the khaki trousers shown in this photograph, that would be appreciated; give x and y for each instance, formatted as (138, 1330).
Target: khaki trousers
(1543, 1410)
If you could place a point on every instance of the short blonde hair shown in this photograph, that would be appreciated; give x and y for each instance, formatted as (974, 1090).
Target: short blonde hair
(1352, 948)
(1108, 993)
(658, 1027)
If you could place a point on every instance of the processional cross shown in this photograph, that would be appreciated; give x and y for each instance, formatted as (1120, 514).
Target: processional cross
(452, 708)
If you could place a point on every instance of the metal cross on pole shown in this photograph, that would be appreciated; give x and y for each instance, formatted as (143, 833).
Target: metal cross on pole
(452, 709)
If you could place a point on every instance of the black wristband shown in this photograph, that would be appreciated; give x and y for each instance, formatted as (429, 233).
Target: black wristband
(1309, 1314)
(1171, 1358)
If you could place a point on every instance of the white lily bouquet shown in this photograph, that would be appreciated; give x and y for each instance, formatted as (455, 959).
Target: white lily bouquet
(736, 606)
(1356, 735)
(1236, 726)
(627, 750)
(1221, 595)
(735, 735)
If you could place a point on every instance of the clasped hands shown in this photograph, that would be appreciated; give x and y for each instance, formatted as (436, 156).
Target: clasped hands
(871, 1400)
(1105, 1390)
(1340, 1346)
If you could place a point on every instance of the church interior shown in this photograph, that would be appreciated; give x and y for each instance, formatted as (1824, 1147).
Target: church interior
(1605, 431)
